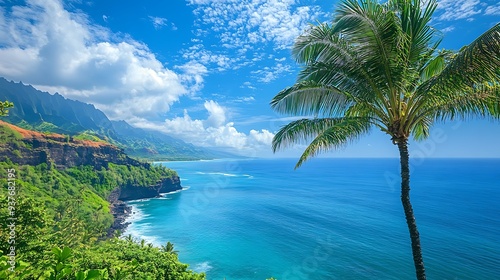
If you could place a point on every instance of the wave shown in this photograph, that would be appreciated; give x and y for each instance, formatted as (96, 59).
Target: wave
(139, 200)
(164, 195)
(217, 173)
(138, 235)
(136, 214)
(225, 174)
(137, 230)
(202, 267)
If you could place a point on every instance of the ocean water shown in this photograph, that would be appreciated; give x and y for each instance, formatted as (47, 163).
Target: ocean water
(330, 219)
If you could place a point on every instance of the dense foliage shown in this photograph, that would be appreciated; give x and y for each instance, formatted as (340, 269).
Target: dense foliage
(61, 218)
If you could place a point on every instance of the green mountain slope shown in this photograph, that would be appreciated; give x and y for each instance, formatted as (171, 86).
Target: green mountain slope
(41, 111)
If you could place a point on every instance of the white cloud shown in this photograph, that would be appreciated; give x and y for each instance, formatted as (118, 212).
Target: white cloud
(193, 73)
(198, 54)
(269, 74)
(248, 85)
(277, 22)
(158, 22)
(264, 136)
(493, 10)
(217, 114)
(448, 29)
(246, 30)
(216, 131)
(245, 99)
(458, 9)
(56, 50)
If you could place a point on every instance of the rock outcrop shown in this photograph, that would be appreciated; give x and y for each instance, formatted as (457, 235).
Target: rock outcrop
(34, 148)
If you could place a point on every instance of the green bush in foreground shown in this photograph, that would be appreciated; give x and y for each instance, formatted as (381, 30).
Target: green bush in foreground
(61, 218)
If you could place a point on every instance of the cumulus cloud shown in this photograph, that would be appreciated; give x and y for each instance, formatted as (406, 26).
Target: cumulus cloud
(217, 114)
(248, 85)
(217, 131)
(56, 50)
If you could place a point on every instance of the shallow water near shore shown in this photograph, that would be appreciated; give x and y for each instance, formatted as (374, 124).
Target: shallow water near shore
(330, 219)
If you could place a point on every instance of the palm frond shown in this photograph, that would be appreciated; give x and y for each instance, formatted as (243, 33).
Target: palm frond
(435, 65)
(343, 77)
(421, 129)
(345, 131)
(327, 132)
(311, 98)
(474, 64)
(316, 40)
(330, 59)
(415, 17)
(494, 107)
(483, 100)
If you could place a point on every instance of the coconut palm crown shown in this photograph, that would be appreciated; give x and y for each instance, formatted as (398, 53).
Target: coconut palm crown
(377, 65)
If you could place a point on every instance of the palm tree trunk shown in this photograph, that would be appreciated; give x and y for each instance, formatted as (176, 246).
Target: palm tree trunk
(410, 218)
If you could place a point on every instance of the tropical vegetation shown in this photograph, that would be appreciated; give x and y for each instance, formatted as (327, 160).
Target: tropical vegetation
(378, 65)
(62, 218)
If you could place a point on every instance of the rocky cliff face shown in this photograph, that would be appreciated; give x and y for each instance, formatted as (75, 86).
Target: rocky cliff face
(34, 148)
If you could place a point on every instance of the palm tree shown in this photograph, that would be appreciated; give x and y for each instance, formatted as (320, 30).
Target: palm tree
(378, 65)
(169, 248)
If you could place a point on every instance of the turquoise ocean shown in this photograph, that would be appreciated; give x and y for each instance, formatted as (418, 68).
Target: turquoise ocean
(329, 219)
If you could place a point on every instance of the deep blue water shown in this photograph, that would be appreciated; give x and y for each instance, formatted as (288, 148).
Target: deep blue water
(330, 219)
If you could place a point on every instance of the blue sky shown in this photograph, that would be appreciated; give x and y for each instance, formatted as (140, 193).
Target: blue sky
(205, 70)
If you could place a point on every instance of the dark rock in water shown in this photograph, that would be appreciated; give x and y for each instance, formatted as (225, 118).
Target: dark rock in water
(120, 211)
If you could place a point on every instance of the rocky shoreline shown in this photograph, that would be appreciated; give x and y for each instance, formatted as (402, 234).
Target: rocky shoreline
(119, 197)
(121, 211)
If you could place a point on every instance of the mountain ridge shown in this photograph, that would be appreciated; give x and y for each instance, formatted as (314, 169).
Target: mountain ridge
(45, 112)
